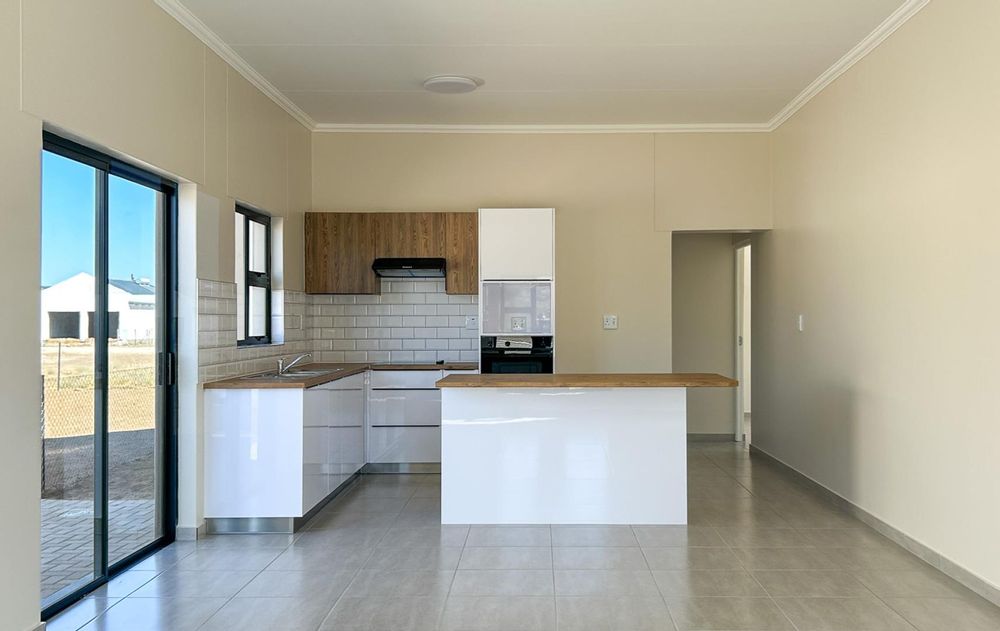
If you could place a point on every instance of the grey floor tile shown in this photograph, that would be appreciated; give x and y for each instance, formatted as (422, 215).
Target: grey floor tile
(764, 538)
(923, 583)
(269, 614)
(385, 614)
(810, 583)
(499, 613)
(156, 614)
(422, 504)
(191, 584)
(786, 559)
(842, 614)
(691, 559)
(577, 536)
(605, 583)
(326, 586)
(948, 614)
(399, 583)
(79, 614)
(363, 504)
(125, 583)
(860, 537)
(414, 558)
(725, 614)
(245, 542)
(506, 558)
(707, 583)
(503, 583)
(509, 536)
(321, 559)
(361, 537)
(167, 557)
(419, 519)
(601, 558)
(426, 536)
(611, 613)
(216, 559)
(874, 559)
(676, 536)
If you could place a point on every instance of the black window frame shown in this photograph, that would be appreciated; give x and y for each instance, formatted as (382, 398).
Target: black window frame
(166, 363)
(255, 279)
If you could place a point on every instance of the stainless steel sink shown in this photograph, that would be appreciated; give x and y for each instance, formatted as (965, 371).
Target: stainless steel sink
(297, 374)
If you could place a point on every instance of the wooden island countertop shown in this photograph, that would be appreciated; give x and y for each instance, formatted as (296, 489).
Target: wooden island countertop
(603, 380)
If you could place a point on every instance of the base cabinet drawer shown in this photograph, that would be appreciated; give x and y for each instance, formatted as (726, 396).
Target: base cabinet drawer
(404, 444)
(404, 407)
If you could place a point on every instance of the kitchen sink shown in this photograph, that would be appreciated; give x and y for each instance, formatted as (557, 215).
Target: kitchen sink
(295, 374)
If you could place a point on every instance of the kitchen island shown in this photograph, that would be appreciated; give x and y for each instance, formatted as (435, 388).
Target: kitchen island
(566, 448)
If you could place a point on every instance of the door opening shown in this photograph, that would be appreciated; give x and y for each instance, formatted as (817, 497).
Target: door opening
(743, 341)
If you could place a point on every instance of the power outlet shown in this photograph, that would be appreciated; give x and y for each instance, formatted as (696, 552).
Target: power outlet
(610, 322)
(472, 323)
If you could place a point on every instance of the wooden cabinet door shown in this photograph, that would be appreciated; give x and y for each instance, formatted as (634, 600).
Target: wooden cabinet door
(462, 252)
(410, 235)
(340, 248)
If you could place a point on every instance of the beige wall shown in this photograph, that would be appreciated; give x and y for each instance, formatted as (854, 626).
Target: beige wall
(704, 312)
(124, 76)
(612, 235)
(886, 189)
(20, 447)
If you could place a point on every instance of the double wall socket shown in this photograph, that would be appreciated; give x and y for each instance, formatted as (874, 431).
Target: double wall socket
(610, 321)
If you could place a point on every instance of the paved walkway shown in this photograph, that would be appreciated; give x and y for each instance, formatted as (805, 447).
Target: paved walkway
(68, 538)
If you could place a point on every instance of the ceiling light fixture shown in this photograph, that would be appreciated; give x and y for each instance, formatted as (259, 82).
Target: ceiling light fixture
(452, 84)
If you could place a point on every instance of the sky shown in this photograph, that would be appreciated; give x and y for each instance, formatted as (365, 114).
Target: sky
(68, 223)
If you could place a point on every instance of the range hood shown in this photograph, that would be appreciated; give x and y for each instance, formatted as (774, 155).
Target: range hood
(409, 268)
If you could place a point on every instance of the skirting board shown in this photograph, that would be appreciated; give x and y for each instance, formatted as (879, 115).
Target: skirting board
(190, 533)
(927, 554)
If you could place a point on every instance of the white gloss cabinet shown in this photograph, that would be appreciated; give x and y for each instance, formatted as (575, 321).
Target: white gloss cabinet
(279, 452)
(516, 243)
(404, 417)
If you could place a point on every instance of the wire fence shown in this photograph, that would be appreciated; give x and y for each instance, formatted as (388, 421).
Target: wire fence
(67, 429)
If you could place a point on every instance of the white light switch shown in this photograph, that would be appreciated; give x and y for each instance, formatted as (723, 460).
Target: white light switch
(802, 322)
(472, 323)
(610, 321)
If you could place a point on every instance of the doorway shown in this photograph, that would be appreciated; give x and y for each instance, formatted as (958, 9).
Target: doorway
(743, 340)
(108, 410)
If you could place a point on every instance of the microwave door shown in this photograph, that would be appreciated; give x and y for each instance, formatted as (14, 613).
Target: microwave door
(517, 308)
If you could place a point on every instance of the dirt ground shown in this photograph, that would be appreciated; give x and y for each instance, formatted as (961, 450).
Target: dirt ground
(68, 374)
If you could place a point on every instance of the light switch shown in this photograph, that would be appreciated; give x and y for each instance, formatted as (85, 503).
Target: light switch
(472, 323)
(802, 322)
(610, 321)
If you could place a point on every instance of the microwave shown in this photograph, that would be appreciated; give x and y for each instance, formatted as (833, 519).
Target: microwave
(505, 354)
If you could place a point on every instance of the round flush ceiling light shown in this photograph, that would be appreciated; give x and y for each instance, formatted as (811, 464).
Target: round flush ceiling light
(452, 84)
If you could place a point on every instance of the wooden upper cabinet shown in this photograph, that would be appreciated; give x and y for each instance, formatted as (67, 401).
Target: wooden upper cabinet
(406, 235)
(462, 251)
(340, 248)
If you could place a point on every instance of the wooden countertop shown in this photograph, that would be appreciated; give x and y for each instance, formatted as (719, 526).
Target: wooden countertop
(610, 380)
(331, 372)
(446, 366)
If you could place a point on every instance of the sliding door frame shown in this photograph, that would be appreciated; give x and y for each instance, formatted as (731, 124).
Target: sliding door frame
(166, 359)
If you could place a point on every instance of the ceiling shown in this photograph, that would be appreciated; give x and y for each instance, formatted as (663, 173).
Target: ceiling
(545, 62)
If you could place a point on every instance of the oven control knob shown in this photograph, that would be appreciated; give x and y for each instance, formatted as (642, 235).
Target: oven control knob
(506, 343)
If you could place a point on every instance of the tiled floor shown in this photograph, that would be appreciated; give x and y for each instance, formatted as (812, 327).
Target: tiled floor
(760, 553)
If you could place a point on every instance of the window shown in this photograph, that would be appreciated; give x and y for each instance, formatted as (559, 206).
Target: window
(253, 277)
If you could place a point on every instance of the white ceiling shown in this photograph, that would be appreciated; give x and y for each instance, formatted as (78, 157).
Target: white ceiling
(545, 62)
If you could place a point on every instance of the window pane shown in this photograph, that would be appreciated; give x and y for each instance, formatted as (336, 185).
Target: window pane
(241, 280)
(135, 433)
(258, 312)
(67, 414)
(258, 247)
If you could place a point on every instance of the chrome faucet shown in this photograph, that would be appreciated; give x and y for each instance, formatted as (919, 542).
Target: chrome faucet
(283, 368)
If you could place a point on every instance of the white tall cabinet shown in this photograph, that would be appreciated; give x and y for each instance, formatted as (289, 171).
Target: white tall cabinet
(516, 244)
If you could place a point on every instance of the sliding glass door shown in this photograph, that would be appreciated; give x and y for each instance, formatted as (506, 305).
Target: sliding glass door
(107, 343)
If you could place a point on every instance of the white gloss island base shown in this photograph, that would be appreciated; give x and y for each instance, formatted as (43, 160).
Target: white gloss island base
(563, 455)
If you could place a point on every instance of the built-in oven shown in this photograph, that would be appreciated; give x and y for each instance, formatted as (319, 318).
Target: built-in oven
(515, 354)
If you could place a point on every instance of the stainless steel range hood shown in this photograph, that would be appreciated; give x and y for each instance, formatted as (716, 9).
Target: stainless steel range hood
(409, 268)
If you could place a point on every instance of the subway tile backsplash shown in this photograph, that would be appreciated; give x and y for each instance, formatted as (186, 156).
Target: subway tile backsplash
(411, 321)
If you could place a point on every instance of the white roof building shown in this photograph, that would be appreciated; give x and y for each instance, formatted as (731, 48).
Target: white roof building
(68, 309)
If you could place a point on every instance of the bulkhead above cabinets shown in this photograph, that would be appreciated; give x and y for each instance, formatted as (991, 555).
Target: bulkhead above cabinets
(340, 248)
